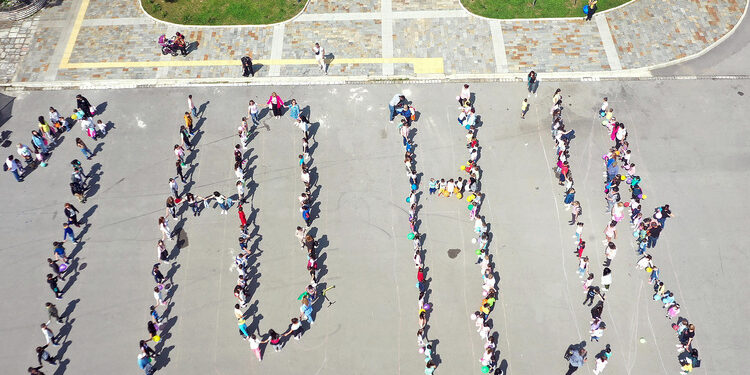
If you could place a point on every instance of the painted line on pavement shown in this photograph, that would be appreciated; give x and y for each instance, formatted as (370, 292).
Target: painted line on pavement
(498, 44)
(608, 42)
(386, 35)
(74, 33)
(277, 49)
(422, 65)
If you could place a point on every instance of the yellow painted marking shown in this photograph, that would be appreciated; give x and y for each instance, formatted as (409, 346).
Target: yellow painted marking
(74, 34)
(422, 65)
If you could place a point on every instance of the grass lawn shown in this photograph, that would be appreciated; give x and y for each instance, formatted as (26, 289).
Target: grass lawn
(543, 8)
(223, 12)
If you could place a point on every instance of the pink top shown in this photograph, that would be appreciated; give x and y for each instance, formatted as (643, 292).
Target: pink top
(279, 102)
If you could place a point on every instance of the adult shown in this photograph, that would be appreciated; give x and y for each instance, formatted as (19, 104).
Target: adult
(395, 106)
(84, 105)
(662, 213)
(320, 56)
(653, 233)
(576, 360)
(532, 83)
(12, 165)
(275, 104)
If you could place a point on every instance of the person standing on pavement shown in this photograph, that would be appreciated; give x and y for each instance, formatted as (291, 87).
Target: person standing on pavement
(84, 105)
(653, 233)
(52, 281)
(524, 108)
(72, 214)
(174, 188)
(84, 149)
(191, 106)
(55, 268)
(601, 361)
(52, 313)
(78, 190)
(532, 83)
(320, 57)
(49, 335)
(13, 167)
(395, 106)
(68, 232)
(294, 110)
(662, 214)
(42, 354)
(275, 104)
(576, 360)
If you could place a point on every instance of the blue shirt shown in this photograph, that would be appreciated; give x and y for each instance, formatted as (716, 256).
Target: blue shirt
(576, 359)
(294, 111)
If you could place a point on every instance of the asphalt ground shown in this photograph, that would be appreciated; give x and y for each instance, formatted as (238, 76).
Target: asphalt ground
(689, 144)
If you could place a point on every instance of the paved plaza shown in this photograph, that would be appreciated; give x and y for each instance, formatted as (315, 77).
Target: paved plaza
(79, 41)
(689, 155)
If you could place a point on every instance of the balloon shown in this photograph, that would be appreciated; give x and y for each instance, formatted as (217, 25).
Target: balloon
(485, 369)
(586, 9)
(410, 236)
(626, 204)
(473, 240)
(622, 178)
(467, 127)
(74, 116)
(157, 338)
(644, 196)
(426, 306)
(414, 186)
(459, 195)
(649, 269)
(470, 207)
(479, 251)
(421, 350)
(642, 340)
(44, 164)
(463, 167)
(408, 199)
(473, 317)
(470, 197)
(484, 293)
(640, 196)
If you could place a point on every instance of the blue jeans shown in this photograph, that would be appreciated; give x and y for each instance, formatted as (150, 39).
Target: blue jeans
(652, 241)
(86, 152)
(194, 111)
(254, 116)
(17, 176)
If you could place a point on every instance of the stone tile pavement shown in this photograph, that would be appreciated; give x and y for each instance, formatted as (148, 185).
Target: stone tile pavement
(643, 33)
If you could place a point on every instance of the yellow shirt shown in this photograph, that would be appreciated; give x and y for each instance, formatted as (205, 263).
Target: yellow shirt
(188, 120)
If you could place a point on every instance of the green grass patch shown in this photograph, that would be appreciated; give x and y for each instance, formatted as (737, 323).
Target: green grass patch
(223, 12)
(505, 9)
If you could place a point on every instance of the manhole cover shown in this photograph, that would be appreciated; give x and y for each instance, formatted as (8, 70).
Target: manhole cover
(453, 253)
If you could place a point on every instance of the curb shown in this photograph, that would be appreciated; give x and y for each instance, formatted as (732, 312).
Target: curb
(322, 81)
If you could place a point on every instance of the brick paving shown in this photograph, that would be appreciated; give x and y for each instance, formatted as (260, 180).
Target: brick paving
(675, 28)
(644, 33)
(564, 45)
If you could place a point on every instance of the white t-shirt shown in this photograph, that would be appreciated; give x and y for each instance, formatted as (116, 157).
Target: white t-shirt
(253, 109)
(465, 93)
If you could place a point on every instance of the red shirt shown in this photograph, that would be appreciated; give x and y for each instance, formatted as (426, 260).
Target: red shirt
(420, 276)
(243, 220)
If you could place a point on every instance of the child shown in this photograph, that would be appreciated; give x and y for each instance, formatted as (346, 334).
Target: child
(102, 127)
(587, 283)
(580, 248)
(252, 110)
(583, 265)
(68, 232)
(579, 233)
(433, 186)
(569, 197)
(524, 108)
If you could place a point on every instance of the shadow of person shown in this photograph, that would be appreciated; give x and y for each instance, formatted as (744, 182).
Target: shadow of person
(202, 108)
(192, 46)
(101, 108)
(163, 358)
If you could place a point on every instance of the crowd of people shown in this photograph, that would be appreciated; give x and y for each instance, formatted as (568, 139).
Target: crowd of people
(248, 239)
(61, 264)
(620, 172)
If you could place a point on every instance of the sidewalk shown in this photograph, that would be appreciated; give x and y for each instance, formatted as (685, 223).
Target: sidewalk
(85, 40)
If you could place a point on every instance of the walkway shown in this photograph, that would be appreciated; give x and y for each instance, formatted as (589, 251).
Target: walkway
(84, 40)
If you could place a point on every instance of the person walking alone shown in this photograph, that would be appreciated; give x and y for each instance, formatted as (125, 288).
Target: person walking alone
(320, 57)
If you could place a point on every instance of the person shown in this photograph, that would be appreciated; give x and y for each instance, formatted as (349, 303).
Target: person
(52, 281)
(532, 83)
(145, 349)
(274, 339)
(306, 310)
(576, 360)
(294, 110)
(295, 329)
(77, 189)
(653, 233)
(247, 66)
(158, 276)
(524, 108)
(84, 105)
(144, 362)
(661, 215)
(164, 228)
(275, 104)
(592, 9)
(395, 106)
(42, 354)
(47, 131)
(178, 166)
(592, 292)
(179, 41)
(320, 56)
(174, 188)
(52, 313)
(49, 335)
(255, 346)
(596, 311)
(191, 106)
(601, 361)
(158, 297)
(185, 136)
(14, 168)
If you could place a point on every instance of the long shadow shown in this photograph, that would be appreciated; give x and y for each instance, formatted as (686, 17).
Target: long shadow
(202, 107)
(305, 111)
(163, 358)
(79, 245)
(93, 184)
(170, 274)
(63, 336)
(88, 213)
(101, 108)
(72, 278)
(322, 268)
(193, 154)
(164, 333)
(313, 130)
